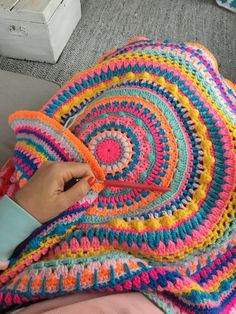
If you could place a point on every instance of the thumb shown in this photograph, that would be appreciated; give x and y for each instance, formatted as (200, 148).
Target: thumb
(76, 192)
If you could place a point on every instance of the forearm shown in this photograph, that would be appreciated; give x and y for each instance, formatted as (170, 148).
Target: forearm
(16, 224)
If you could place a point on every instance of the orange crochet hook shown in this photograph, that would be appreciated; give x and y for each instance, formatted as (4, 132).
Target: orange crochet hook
(127, 184)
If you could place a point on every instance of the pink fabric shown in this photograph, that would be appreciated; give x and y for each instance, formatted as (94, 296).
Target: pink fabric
(94, 303)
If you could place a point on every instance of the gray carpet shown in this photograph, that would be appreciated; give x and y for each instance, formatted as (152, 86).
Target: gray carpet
(110, 23)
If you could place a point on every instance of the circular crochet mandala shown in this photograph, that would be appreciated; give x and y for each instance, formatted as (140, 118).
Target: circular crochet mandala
(132, 141)
(146, 131)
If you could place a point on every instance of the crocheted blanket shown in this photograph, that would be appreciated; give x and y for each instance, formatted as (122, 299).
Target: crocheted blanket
(154, 113)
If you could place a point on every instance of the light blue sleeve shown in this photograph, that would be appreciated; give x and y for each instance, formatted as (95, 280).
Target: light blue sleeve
(16, 224)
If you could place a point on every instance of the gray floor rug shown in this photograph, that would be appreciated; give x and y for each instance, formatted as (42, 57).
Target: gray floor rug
(106, 24)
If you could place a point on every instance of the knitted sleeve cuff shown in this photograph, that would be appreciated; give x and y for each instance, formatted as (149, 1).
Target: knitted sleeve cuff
(16, 224)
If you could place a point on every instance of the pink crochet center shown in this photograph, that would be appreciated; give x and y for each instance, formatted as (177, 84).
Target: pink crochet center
(109, 151)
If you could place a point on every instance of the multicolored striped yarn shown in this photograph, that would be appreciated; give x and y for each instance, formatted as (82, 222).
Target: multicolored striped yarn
(228, 4)
(147, 112)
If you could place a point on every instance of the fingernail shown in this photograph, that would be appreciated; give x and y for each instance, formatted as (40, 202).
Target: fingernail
(91, 181)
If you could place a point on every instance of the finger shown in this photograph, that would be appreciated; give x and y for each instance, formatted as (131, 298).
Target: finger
(70, 170)
(76, 192)
(47, 163)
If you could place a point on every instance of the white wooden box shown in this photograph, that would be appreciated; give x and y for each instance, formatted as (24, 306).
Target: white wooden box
(37, 30)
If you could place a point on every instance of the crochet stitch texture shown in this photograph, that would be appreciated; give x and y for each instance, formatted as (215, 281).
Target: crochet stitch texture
(154, 113)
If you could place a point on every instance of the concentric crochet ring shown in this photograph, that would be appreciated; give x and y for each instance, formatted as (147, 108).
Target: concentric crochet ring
(131, 140)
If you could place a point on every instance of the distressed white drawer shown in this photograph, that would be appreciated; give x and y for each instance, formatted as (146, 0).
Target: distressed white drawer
(37, 29)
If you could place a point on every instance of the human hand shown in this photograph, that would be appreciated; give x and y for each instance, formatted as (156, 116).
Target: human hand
(44, 196)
